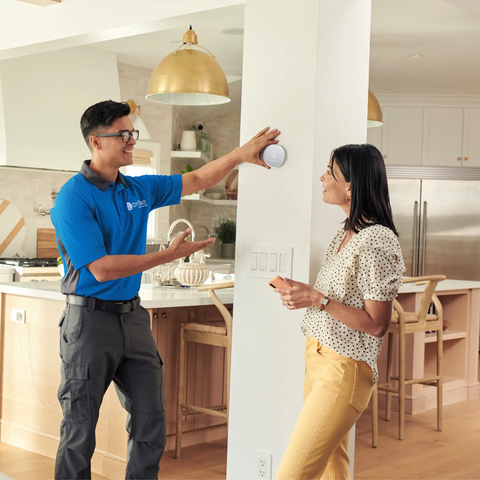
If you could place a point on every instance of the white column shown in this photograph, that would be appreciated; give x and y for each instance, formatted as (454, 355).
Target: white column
(305, 73)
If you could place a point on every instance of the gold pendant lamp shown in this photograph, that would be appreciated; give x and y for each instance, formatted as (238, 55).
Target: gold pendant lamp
(188, 76)
(374, 116)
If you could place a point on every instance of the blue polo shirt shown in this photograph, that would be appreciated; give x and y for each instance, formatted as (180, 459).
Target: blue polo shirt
(94, 217)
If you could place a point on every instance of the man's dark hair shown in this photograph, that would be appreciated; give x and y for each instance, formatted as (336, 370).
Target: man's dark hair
(101, 115)
(363, 166)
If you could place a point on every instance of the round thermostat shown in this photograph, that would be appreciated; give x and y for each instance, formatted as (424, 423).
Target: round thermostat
(274, 156)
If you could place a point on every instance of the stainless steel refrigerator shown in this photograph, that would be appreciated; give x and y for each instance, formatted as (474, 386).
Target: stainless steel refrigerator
(437, 213)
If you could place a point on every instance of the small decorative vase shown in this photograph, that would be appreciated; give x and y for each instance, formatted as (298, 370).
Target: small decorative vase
(228, 250)
(189, 142)
(191, 273)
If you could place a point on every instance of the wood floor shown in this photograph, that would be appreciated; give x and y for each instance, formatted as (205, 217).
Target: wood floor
(424, 454)
(207, 461)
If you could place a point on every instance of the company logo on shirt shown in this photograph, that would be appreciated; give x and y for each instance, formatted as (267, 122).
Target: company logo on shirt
(137, 204)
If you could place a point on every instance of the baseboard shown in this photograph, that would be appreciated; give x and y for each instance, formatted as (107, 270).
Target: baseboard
(429, 401)
(103, 463)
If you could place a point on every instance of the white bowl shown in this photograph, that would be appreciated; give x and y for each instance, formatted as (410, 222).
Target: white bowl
(215, 196)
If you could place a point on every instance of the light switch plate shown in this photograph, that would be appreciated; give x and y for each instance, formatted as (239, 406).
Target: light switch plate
(267, 261)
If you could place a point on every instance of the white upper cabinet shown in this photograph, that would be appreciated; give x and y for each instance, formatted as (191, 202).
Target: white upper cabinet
(402, 135)
(374, 137)
(443, 137)
(432, 136)
(471, 137)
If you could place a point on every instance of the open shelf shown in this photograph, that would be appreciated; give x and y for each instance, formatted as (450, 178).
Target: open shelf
(449, 335)
(196, 159)
(203, 198)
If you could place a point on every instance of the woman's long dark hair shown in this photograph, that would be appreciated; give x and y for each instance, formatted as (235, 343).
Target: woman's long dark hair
(364, 168)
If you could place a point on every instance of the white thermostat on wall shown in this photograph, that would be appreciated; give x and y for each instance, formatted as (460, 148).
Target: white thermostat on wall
(274, 156)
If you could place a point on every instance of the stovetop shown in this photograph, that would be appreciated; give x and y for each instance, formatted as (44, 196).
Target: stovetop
(29, 262)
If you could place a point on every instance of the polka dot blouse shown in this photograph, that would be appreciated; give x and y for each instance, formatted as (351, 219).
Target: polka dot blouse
(368, 267)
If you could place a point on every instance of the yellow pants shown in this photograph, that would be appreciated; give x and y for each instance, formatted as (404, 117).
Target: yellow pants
(337, 390)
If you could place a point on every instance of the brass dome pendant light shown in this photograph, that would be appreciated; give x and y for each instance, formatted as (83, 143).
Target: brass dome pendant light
(374, 116)
(188, 76)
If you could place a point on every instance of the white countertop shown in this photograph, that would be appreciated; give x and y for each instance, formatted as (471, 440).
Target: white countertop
(442, 286)
(152, 297)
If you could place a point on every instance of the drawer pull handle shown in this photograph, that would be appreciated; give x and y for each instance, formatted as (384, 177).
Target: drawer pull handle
(465, 158)
(459, 159)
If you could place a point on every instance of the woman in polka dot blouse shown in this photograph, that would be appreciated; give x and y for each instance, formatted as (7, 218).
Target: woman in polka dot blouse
(348, 312)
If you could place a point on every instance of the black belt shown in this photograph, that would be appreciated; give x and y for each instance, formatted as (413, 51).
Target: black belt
(97, 304)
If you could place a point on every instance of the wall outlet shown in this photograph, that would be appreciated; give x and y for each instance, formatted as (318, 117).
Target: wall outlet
(17, 315)
(264, 465)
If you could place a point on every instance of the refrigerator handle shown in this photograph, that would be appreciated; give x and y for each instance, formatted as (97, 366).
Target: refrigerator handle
(424, 239)
(415, 240)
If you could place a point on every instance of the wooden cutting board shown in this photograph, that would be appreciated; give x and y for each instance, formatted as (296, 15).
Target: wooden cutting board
(12, 230)
(46, 243)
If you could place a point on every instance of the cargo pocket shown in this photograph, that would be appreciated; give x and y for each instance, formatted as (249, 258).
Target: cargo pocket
(73, 393)
(162, 382)
(60, 323)
(72, 324)
(363, 387)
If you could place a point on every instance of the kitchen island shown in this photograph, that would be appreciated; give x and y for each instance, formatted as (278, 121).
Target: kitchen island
(30, 371)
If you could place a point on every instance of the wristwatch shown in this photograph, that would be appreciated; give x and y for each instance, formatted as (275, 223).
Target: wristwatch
(324, 303)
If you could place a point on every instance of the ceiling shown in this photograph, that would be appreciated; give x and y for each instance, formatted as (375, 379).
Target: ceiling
(445, 32)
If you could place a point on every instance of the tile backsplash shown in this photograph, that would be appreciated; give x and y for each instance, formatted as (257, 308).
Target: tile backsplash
(27, 189)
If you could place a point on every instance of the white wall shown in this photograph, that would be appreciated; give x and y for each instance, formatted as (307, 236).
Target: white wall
(306, 73)
(44, 97)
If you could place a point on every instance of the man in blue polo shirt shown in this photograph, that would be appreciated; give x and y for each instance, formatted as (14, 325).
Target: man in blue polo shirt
(100, 219)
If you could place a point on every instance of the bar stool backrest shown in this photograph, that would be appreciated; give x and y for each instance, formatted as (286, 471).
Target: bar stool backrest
(227, 316)
(430, 282)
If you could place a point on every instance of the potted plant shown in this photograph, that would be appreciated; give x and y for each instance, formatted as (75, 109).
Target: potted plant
(225, 231)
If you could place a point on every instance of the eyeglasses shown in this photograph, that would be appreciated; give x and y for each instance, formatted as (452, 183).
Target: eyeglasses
(125, 135)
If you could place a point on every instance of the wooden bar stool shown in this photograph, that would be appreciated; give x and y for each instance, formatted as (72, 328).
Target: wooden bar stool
(207, 334)
(411, 322)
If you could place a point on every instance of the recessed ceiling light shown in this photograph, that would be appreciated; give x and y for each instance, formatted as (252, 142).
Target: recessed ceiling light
(233, 31)
(415, 55)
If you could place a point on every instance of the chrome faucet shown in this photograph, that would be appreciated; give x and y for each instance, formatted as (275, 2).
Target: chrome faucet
(174, 224)
(170, 282)
(202, 226)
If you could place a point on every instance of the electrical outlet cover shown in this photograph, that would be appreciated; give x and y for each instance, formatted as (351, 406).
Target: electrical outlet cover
(17, 315)
(264, 466)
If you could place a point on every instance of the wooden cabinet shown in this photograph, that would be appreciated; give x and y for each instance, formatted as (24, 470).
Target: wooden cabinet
(30, 376)
(206, 366)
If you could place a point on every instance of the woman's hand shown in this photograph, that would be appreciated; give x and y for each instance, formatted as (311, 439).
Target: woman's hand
(301, 295)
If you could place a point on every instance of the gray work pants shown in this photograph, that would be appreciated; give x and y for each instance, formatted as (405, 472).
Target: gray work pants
(97, 347)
